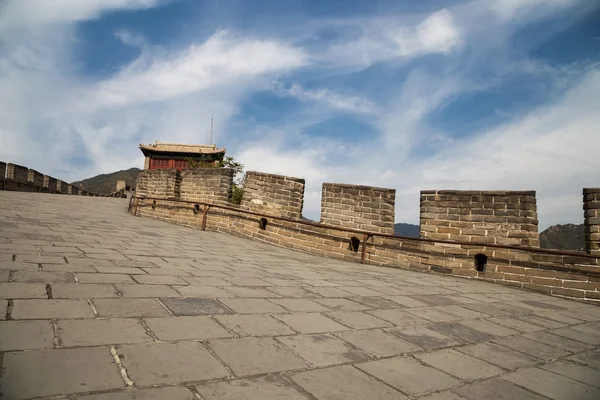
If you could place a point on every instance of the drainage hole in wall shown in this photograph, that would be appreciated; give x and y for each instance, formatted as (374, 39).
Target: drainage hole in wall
(154, 204)
(354, 243)
(196, 208)
(262, 223)
(480, 262)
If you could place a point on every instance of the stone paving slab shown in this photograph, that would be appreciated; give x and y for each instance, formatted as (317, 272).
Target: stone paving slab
(165, 363)
(344, 383)
(133, 308)
(269, 387)
(53, 372)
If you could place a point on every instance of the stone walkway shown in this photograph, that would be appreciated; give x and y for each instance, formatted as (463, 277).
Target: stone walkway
(98, 304)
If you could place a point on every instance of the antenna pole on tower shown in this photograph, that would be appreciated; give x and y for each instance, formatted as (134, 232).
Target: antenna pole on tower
(211, 128)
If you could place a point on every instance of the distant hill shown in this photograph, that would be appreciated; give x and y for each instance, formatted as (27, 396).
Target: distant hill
(107, 183)
(407, 230)
(563, 237)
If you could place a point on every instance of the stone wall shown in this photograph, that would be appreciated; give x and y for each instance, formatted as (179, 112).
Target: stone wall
(18, 178)
(206, 185)
(121, 185)
(278, 195)
(476, 250)
(591, 215)
(61, 186)
(575, 275)
(49, 184)
(495, 217)
(16, 173)
(164, 183)
(35, 178)
(358, 207)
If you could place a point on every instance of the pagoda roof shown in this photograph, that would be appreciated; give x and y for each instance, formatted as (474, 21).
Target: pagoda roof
(162, 147)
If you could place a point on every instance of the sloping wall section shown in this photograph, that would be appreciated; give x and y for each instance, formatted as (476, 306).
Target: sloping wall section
(356, 221)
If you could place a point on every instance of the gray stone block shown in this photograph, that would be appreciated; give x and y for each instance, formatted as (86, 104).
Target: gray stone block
(54, 372)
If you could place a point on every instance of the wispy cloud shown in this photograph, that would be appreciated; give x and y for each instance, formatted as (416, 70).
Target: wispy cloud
(330, 99)
(27, 13)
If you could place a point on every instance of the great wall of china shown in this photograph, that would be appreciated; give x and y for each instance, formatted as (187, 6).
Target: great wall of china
(490, 236)
(485, 235)
(22, 179)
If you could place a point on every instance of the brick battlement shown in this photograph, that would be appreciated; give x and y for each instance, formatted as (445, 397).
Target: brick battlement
(500, 217)
(485, 235)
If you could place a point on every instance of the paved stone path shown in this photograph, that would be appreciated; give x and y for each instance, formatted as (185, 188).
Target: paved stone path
(98, 304)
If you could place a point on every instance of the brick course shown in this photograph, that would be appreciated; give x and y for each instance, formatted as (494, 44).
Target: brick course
(358, 207)
(494, 217)
(207, 185)
(591, 214)
(272, 194)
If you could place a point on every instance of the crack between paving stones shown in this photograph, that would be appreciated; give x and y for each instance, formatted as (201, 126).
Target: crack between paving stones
(49, 291)
(165, 307)
(66, 260)
(148, 330)
(14, 257)
(229, 371)
(40, 267)
(57, 342)
(122, 370)
(195, 392)
(93, 307)
(119, 293)
(75, 277)
(9, 309)
(10, 275)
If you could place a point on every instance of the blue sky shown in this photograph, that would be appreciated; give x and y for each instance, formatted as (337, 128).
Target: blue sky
(500, 94)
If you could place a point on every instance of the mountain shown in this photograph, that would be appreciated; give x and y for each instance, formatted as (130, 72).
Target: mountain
(107, 183)
(563, 237)
(407, 230)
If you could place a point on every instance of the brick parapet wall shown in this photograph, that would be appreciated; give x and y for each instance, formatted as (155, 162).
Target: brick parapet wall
(358, 207)
(495, 217)
(15, 177)
(207, 185)
(16, 173)
(159, 183)
(557, 273)
(272, 194)
(61, 186)
(35, 178)
(50, 184)
(591, 215)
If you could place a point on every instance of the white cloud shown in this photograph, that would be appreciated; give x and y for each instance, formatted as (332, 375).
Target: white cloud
(392, 38)
(331, 99)
(32, 13)
(50, 109)
(437, 33)
(222, 59)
